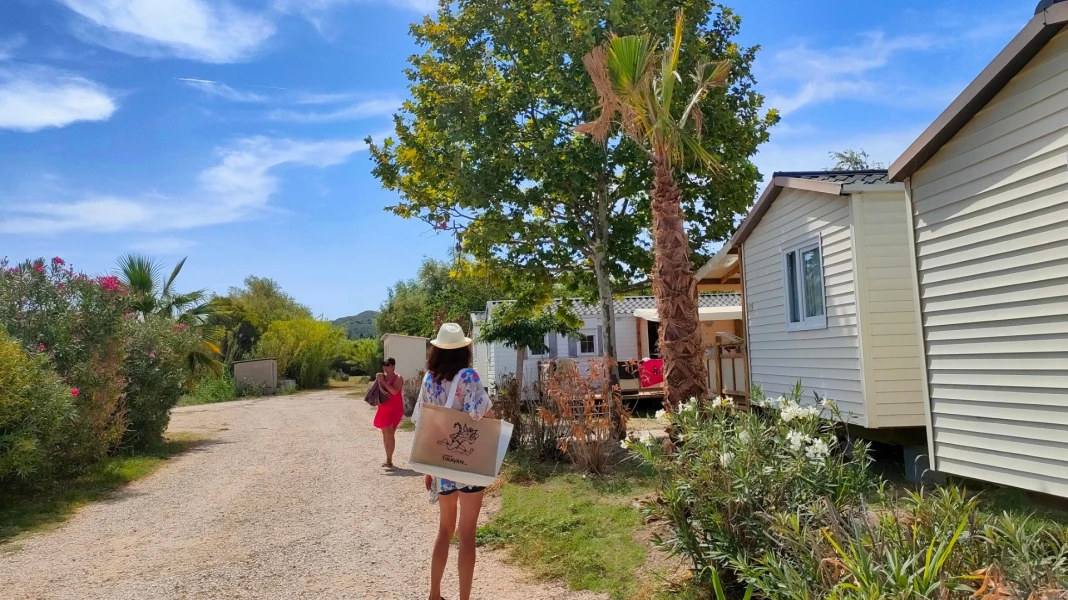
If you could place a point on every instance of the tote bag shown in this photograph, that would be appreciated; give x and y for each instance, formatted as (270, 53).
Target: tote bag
(448, 443)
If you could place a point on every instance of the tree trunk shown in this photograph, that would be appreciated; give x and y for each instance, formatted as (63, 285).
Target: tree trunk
(685, 372)
(602, 271)
(520, 358)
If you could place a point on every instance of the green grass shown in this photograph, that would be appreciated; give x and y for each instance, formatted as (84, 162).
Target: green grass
(47, 507)
(563, 526)
(406, 425)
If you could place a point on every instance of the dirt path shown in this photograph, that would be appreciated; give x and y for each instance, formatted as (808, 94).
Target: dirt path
(286, 500)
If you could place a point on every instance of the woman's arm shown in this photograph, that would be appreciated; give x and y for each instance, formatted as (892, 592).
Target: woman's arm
(393, 390)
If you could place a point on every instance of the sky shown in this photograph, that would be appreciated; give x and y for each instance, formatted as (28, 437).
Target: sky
(231, 131)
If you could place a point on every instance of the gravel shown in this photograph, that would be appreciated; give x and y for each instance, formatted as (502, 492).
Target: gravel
(284, 499)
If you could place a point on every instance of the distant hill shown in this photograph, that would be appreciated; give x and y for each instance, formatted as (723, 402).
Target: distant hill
(358, 326)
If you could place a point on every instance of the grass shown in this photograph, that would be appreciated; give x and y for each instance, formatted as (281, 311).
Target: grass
(406, 425)
(48, 507)
(563, 526)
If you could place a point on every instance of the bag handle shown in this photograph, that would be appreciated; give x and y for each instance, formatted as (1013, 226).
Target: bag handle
(450, 400)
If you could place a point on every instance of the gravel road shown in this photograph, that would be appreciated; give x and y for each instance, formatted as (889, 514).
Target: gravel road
(284, 499)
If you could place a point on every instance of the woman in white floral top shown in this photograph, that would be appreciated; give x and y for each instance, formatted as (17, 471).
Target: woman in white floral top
(449, 359)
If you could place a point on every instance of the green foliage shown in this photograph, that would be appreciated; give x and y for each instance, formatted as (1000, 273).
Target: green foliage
(359, 326)
(515, 329)
(364, 355)
(305, 349)
(244, 314)
(771, 501)
(78, 324)
(211, 389)
(439, 293)
(36, 410)
(156, 371)
(152, 294)
(571, 528)
(854, 160)
(486, 148)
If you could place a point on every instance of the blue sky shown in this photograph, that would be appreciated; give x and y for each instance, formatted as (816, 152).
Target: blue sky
(231, 131)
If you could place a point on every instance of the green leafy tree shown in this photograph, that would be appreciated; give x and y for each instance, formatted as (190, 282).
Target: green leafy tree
(486, 147)
(305, 349)
(523, 332)
(440, 293)
(636, 83)
(244, 314)
(366, 355)
(854, 160)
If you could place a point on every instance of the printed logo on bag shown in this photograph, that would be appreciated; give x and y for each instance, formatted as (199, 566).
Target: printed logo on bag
(460, 441)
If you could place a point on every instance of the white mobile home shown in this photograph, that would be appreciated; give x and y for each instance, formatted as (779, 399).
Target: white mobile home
(409, 352)
(828, 294)
(636, 334)
(988, 188)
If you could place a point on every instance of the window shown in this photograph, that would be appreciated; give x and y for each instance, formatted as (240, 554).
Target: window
(803, 286)
(587, 343)
(548, 344)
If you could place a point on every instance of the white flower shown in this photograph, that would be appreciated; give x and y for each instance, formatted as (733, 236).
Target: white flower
(810, 411)
(626, 443)
(826, 402)
(722, 403)
(647, 438)
(663, 417)
(797, 440)
(743, 436)
(691, 405)
(725, 459)
(818, 451)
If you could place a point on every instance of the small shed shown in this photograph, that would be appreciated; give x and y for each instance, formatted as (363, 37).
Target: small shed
(988, 191)
(260, 373)
(829, 297)
(409, 352)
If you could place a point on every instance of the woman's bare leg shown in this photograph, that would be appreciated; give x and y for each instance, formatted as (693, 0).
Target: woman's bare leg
(470, 506)
(389, 440)
(446, 527)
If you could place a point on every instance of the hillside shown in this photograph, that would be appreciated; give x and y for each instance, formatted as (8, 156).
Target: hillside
(358, 326)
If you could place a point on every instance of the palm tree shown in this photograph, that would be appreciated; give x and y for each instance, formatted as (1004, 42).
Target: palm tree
(641, 101)
(153, 295)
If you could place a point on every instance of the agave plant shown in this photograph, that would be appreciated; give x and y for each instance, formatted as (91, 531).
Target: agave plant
(639, 98)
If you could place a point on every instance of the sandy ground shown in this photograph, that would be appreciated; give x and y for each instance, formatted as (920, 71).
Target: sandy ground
(284, 499)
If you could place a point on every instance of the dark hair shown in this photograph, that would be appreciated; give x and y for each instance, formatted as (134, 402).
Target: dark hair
(445, 364)
(389, 362)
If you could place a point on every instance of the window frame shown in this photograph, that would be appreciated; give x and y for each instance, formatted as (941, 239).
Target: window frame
(548, 352)
(592, 334)
(798, 249)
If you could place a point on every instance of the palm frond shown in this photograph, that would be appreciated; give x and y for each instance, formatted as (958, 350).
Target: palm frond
(139, 273)
(669, 68)
(174, 275)
(706, 76)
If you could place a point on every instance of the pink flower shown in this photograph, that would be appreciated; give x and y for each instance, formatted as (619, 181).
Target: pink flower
(152, 355)
(58, 262)
(61, 286)
(74, 391)
(13, 270)
(110, 283)
(40, 347)
(183, 326)
(40, 268)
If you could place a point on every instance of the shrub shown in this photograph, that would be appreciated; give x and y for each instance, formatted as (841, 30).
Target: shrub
(305, 349)
(156, 372)
(587, 414)
(410, 391)
(77, 323)
(36, 410)
(211, 389)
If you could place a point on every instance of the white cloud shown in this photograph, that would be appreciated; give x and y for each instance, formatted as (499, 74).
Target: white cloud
(215, 88)
(817, 76)
(38, 98)
(212, 31)
(359, 110)
(9, 45)
(239, 187)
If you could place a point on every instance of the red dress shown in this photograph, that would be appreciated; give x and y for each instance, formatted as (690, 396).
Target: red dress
(390, 412)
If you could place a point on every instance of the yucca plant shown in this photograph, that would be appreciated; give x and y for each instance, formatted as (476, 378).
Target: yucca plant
(637, 87)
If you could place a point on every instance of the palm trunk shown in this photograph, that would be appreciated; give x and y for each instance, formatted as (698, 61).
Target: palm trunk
(676, 293)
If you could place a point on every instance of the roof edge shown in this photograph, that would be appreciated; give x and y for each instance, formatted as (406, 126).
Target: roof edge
(1010, 61)
(778, 183)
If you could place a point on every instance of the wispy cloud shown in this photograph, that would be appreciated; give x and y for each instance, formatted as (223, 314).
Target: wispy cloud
(9, 45)
(350, 112)
(216, 88)
(213, 31)
(821, 75)
(237, 188)
(36, 98)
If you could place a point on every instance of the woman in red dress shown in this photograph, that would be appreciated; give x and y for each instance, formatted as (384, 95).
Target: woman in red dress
(390, 412)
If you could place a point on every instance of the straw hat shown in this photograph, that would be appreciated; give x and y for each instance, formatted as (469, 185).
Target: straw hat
(450, 337)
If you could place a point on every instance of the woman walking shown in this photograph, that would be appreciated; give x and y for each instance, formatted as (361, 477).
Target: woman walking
(451, 382)
(390, 413)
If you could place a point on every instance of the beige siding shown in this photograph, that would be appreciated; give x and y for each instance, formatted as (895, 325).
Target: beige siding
(890, 345)
(991, 226)
(824, 360)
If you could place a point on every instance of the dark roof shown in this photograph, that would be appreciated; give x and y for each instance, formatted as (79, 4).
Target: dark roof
(843, 177)
(1047, 22)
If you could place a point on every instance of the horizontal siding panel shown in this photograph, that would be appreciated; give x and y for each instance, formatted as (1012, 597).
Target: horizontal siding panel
(816, 360)
(893, 387)
(1054, 288)
(879, 306)
(879, 353)
(1013, 328)
(997, 282)
(992, 362)
(1030, 379)
(1047, 415)
(1041, 449)
(993, 311)
(904, 340)
(1052, 249)
(968, 424)
(888, 421)
(1037, 482)
(1039, 397)
(1004, 346)
(998, 456)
